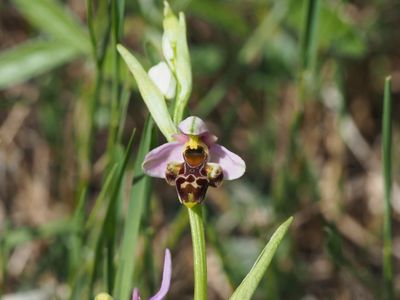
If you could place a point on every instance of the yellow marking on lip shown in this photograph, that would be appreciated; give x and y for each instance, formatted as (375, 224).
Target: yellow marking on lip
(193, 142)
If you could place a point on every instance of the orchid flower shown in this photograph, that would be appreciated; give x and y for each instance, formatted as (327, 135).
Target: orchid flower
(165, 282)
(193, 162)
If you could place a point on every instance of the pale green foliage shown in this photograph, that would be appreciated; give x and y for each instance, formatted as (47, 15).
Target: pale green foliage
(31, 59)
(151, 94)
(250, 282)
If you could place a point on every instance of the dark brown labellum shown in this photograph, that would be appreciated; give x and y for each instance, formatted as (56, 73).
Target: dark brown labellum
(192, 182)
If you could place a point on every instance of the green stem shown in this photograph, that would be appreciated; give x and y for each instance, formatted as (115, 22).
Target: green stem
(387, 177)
(309, 41)
(116, 90)
(308, 56)
(199, 252)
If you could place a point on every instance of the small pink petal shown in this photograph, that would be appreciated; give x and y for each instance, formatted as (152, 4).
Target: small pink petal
(232, 165)
(166, 279)
(135, 294)
(155, 162)
(208, 139)
(180, 137)
(193, 126)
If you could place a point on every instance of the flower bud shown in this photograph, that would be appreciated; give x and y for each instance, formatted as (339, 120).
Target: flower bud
(163, 78)
(170, 36)
(103, 296)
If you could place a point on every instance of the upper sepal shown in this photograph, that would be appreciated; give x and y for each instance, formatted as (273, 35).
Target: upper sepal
(193, 126)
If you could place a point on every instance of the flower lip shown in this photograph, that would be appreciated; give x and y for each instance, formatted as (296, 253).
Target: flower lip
(193, 126)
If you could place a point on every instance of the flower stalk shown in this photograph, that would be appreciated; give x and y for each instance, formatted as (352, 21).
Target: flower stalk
(387, 177)
(199, 252)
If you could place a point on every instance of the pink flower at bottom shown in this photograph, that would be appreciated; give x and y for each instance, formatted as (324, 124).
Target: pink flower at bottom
(165, 282)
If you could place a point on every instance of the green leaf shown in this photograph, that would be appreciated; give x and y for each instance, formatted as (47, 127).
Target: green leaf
(101, 198)
(309, 39)
(31, 59)
(264, 33)
(152, 96)
(93, 227)
(51, 17)
(222, 14)
(249, 284)
(139, 195)
(336, 31)
(104, 237)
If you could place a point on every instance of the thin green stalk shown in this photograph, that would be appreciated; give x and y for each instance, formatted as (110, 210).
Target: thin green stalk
(117, 8)
(199, 252)
(387, 178)
(75, 239)
(92, 34)
(111, 143)
(85, 143)
(4, 257)
(308, 47)
(139, 195)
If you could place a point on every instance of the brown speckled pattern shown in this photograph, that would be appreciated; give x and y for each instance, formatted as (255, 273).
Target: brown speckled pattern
(192, 182)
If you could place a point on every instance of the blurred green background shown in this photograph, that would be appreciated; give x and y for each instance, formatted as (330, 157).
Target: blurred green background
(294, 87)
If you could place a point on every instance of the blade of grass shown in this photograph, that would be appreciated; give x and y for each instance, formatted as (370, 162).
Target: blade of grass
(94, 234)
(120, 10)
(111, 216)
(308, 46)
(117, 8)
(308, 49)
(263, 33)
(220, 14)
(249, 284)
(32, 58)
(101, 198)
(4, 257)
(387, 177)
(139, 194)
(75, 240)
(53, 18)
(106, 234)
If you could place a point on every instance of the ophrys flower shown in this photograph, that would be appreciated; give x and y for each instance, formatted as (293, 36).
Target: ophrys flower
(165, 282)
(193, 162)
